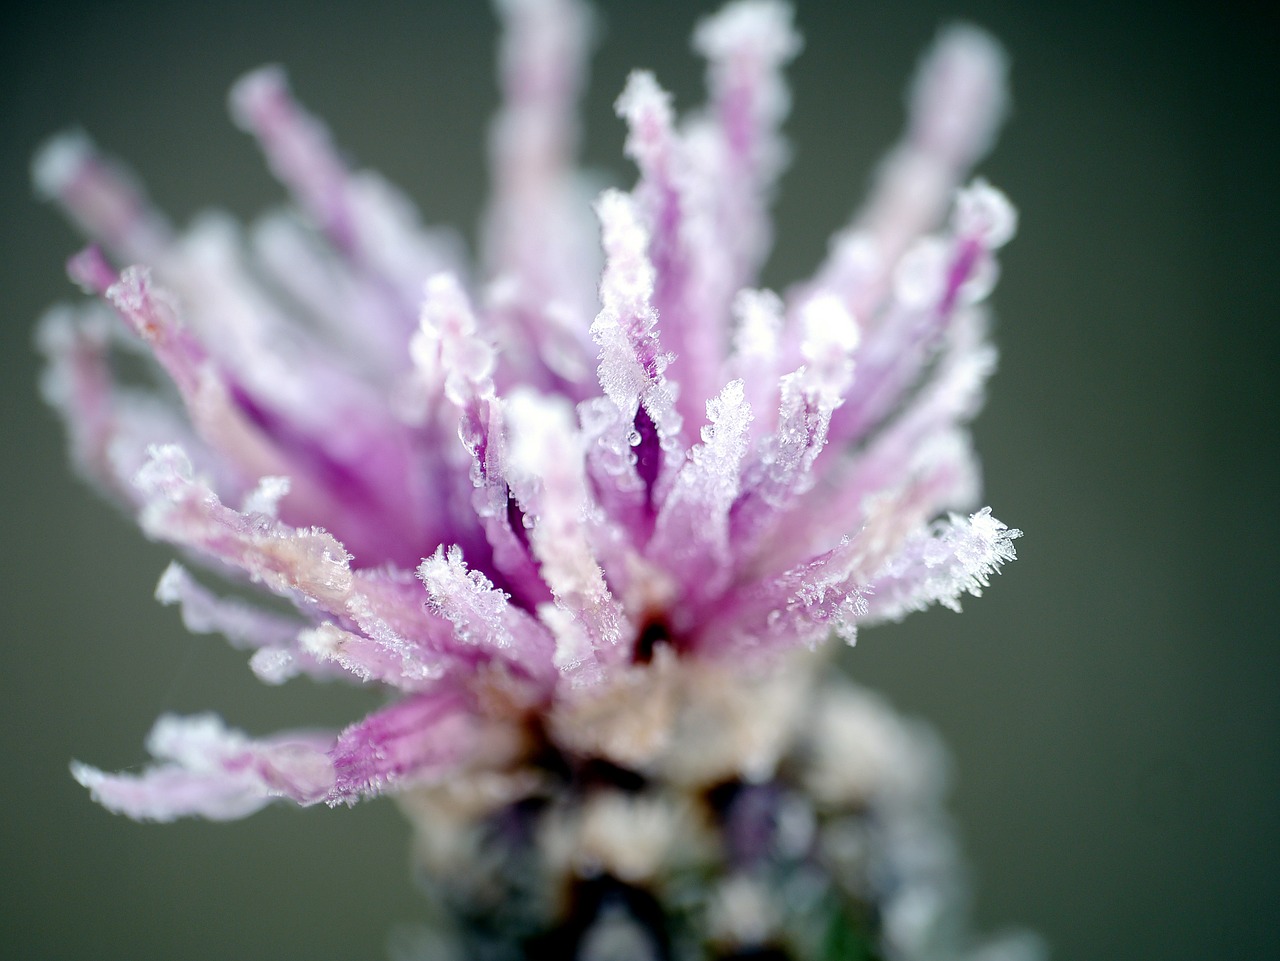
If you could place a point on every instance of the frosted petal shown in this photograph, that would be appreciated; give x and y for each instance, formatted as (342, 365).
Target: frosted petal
(230, 422)
(392, 636)
(692, 533)
(632, 362)
(746, 45)
(298, 148)
(447, 349)
(244, 625)
(380, 657)
(958, 100)
(985, 213)
(208, 770)
(108, 427)
(782, 468)
(947, 402)
(956, 557)
(483, 616)
(100, 196)
(935, 285)
(809, 396)
(704, 191)
(331, 292)
(371, 224)
(626, 327)
(548, 478)
(182, 509)
(415, 740)
(539, 240)
(757, 355)
(452, 357)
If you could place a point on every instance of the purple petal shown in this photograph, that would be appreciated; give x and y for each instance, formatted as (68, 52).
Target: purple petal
(273, 638)
(100, 196)
(211, 771)
(632, 363)
(958, 99)
(746, 46)
(548, 478)
(782, 470)
(539, 241)
(182, 509)
(484, 618)
(417, 740)
(389, 635)
(691, 538)
(366, 219)
(450, 356)
(956, 557)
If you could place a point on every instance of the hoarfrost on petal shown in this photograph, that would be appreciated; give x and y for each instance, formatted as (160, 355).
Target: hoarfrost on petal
(273, 637)
(985, 213)
(447, 349)
(208, 770)
(549, 480)
(182, 509)
(646, 108)
(265, 498)
(692, 532)
(419, 739)
(372, 656)
(956, 557)
(631, 360)
(483, 617)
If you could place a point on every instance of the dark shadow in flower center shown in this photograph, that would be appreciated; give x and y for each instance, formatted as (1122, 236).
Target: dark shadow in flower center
(655, 631)
(597, 904)
(581, 774)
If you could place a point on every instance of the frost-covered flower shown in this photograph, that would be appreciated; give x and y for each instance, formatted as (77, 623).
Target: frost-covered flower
(590, 521)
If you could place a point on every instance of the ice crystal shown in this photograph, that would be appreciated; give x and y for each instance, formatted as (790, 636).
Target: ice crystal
(600, 511)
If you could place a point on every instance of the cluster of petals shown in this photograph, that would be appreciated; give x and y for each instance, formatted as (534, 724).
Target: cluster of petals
(497, 490)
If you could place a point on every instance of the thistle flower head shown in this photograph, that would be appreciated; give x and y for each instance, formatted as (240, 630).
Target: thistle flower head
(586, 506)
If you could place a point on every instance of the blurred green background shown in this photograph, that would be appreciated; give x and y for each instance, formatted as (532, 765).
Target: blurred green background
(1111, 704)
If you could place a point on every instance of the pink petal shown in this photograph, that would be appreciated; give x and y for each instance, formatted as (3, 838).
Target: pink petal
(211, 771)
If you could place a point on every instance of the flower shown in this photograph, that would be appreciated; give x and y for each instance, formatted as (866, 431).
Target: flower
(590, 522)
